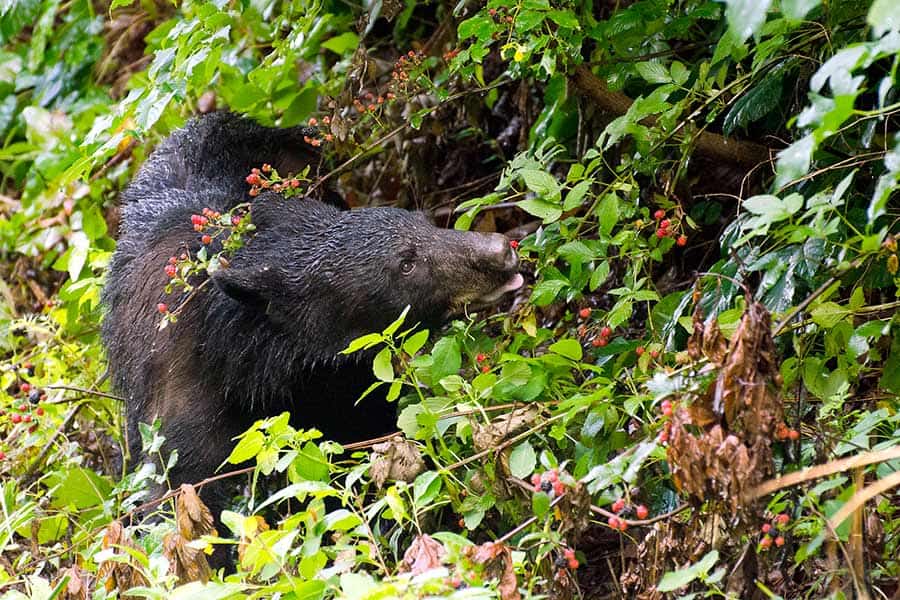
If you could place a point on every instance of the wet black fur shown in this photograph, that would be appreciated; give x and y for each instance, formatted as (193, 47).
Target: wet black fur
(264, 335)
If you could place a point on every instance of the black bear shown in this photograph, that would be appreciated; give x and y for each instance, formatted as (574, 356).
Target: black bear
(265, 335)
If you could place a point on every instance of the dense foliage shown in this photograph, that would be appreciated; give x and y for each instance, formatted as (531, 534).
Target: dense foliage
(704, 196)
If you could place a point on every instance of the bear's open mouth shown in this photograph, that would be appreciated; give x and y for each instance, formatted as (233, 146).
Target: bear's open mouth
(512, 284)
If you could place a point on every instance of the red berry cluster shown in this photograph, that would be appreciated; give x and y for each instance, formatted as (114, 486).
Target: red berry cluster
(548, 482)
(451, 54)
(620, 507)
(603, 334)
(29, 410)
(514, 244)
(565, 560)
(499, 16)
(783, 432)
(267, 178)
(405, 76)
(771, 531)
(663, 228)
(481, 359)
(314, 122)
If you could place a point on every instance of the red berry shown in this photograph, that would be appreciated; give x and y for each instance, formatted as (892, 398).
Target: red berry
(486, 369)
(783, 519)
(641, 511)
(39, 412)
(462, 523)
(639, 350)
(172, 260)
(26, 418)
(161, 307)
(2, 455)
(582, 331)
(682, 240)
(553, 475)
(573, 563)
(779, 541)
(606, 332)
(15, 418)
(618, 505)
(664, 436)
(659, 214)
(766, 528)
(481, 357)
(666, 408)
(613, 522)
(661, 233)
(25, 388)
(559, 488)
(584, 313)
(536, 480)
(654, 354)
(171, 270)
(664, 224)
(206, 239)
(266, 168)
(599, 342)
(623, 524)
(23, 407)
(513, 244)
(794, 435)
(765, 542)
(568, 553)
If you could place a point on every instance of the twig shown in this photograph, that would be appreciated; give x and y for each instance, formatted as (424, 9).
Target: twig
(82, 390)
(837, 466)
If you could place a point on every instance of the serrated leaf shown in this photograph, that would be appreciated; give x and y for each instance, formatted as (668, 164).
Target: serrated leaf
(446, 358)
(653, 72)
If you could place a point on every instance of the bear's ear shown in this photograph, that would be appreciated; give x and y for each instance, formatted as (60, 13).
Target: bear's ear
(251, 286)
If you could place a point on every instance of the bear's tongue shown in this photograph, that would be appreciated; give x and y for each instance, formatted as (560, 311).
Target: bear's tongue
(514, 283)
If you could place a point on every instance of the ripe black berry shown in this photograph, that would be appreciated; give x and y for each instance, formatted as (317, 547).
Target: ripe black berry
(34, 396)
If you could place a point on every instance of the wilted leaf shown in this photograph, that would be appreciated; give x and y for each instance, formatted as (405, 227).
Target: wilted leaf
(423, 554)
(193, 516)
(396, 460)
(497, 562)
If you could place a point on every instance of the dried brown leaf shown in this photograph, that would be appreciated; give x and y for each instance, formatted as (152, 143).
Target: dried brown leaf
(498, 564)
(76, 588)
(193, 516)
(187, 563)
(396, 460)
(504, 427)
(117, 575)
(423, 554)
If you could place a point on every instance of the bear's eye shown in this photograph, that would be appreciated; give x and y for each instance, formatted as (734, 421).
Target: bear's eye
(407, 266)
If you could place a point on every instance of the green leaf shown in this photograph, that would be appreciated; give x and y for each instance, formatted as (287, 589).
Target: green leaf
(828, 314)
(884, 16)
(653, 72)
(247, 447)
(426, 487)
(343, 43)
(390, 329)
(78, 488)
(674, 580)
(364, 342)
(542, 209)
(746, 17)
(211, 590)
(569, 348)
(447, 358)
(796, 10)
(382, 366)
(758, 101)
(414, 343)
(541, 183)
(608, 214)
(540, 504)
(522, 460)
(481, 26)
(576, 194)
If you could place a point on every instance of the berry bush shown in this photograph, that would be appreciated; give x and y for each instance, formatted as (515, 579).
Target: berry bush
(696, 394)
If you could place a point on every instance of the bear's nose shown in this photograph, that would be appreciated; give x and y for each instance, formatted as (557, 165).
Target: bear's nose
(498, 253)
